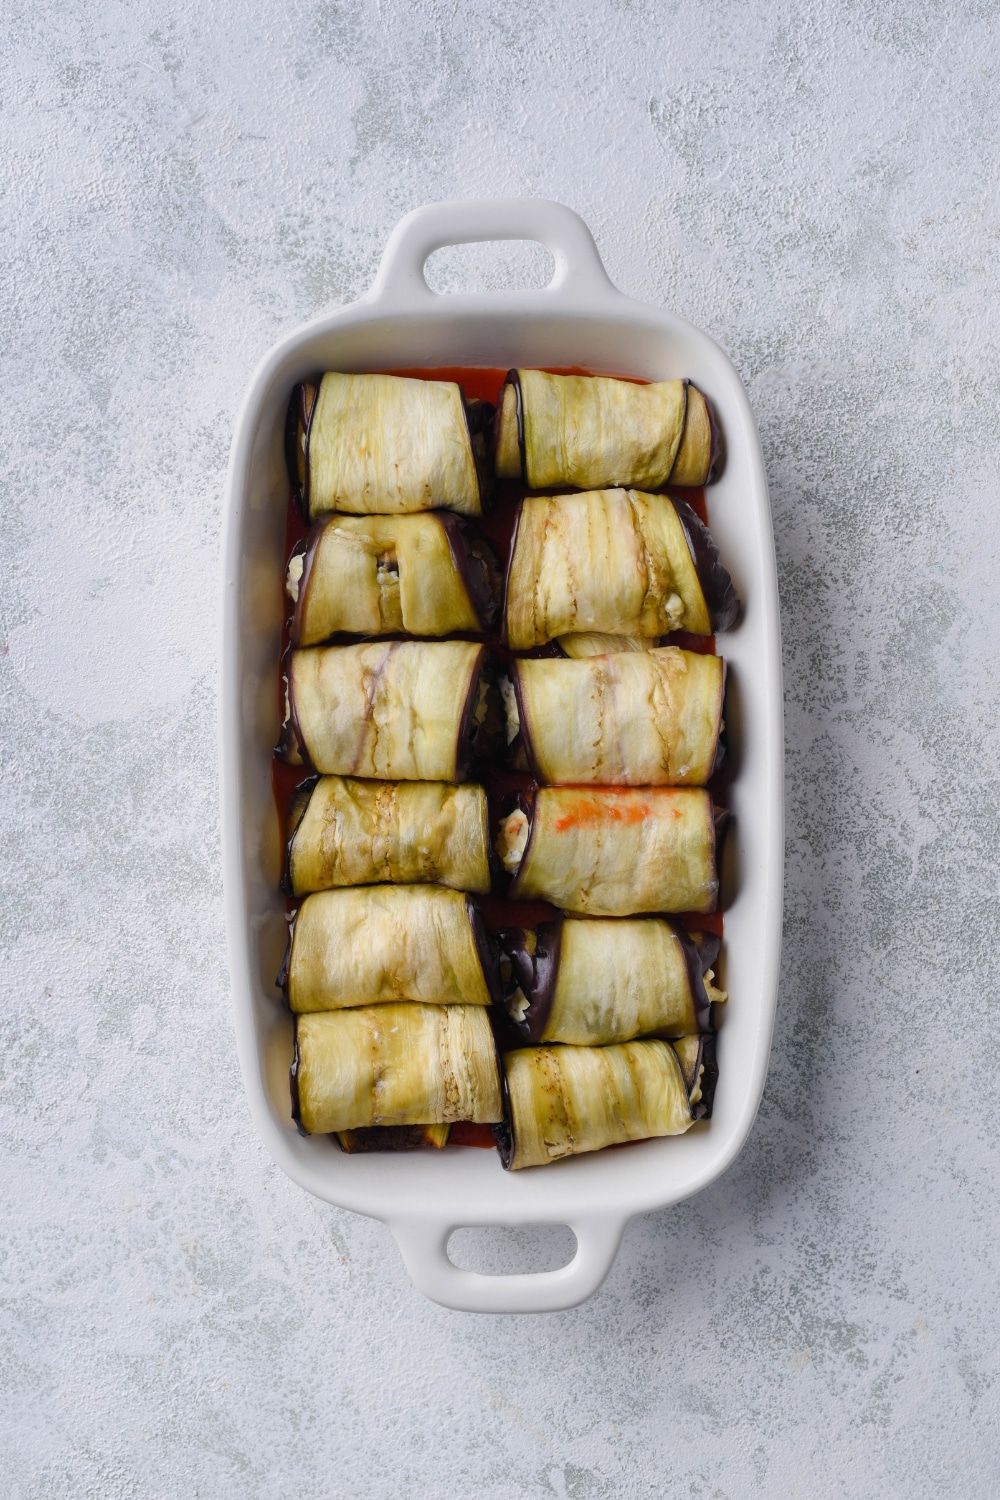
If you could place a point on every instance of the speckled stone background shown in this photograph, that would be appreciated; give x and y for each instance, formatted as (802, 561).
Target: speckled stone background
(814, 183)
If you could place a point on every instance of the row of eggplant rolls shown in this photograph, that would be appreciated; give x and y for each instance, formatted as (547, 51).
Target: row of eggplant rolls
(391, 973)
(387, 445)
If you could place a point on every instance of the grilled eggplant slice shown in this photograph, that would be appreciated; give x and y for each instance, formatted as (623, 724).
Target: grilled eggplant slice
(395, 710)
(385, 445)
(615, 561)
(561, 1101)
(595, 981)
(394, 1065)
(637, 718)
(354, 832)
(592, 431)
(380, 575)
(368, 945)
(613, 852)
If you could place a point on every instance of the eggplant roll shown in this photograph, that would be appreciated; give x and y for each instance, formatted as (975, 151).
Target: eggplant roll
(562, 1101)
(592, 431)
(638, 718)
(353, 832)
(380, 575)
(614, 561)
(385, 445)
(394, 1065)
(612, 852)
(394, 710)
(592, 981)
(374, 944)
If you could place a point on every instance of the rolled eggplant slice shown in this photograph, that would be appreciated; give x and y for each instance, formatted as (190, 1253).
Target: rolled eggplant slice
(637, 718)
(394, 1065)
(380, 575)
(594, 981)
(562, 1101)
(592, 431)
(370, 945)
(354, 832)
(613, 852)
(385, 445)
(613, 561)
(395, 711)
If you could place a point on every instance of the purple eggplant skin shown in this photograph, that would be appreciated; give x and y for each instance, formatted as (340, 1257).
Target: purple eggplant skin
(385, 1138)
(520, 751)
(506, 572)
(511, 378)
(717, 457)
(486, 948)
(484, 584)
(297, 804)
(709, 1078)
(721, 749)
(716, 584)
(480, 419)
(503, 1133)
(708, 950)
(534, 974)
(281, 982)
(293, 1085)
(298, 425)
(306, 549)
(291, 746)
(696, 977)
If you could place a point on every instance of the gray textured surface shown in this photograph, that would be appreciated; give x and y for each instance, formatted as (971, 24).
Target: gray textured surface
(814, 184)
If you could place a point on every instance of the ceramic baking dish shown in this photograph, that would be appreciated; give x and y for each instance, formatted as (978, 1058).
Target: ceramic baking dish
(579, 319)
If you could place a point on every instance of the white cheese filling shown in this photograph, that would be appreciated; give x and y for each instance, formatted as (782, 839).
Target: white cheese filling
(517, 1005)
(293, 578)
(511, 840)
(716, 996)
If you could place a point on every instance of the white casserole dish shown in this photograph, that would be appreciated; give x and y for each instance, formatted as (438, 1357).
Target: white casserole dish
(580, 319)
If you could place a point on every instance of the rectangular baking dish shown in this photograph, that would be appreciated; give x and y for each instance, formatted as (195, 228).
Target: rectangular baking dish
(579, 319)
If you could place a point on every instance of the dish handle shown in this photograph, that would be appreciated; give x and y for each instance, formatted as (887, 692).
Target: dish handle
(579, 270)
(424, 1247)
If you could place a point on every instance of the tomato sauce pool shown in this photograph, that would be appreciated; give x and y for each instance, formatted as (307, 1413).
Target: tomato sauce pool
(484, 383)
